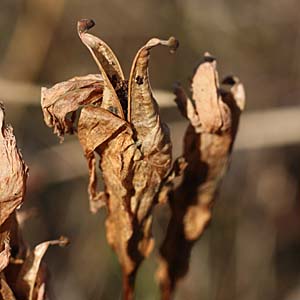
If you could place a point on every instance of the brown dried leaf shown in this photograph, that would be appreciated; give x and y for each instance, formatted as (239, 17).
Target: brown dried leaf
(95, 127)
(27, 285)
(141, 103)
(5, 292)
(214, 116)
(212, 113)
(66, 98)
(108, 65)
(5, 252)
(13, 173)
(134, 149)
(105, 56)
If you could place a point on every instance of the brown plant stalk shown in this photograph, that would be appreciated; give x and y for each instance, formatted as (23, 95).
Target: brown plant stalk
(213, 113)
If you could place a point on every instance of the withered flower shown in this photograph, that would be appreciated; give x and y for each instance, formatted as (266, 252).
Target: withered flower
(13, 173)
(22, 276)
(214, 115)
(119, 120)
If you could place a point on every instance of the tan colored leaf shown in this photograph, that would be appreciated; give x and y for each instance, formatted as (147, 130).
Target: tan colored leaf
(142, 107)
(209, 106)
(66, 98)
(5, 252)
(214, 115)
(5, 292)
(13, 173)
(96, 127)
(27, 278)
(108, 65)
(101, 50)
(41, 293)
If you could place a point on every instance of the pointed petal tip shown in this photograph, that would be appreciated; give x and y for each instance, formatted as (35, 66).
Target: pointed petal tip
(63, 241)
(230, 80)
(176, 87)
(173, 43)
(84, 25)
(2, 114)
(208, 57)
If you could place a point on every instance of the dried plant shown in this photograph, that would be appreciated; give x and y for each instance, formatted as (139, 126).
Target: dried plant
(214, 115)
(22, 275)
(120, 122)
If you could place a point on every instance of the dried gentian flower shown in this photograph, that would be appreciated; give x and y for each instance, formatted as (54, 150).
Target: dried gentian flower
(214, 115)
(120, 122)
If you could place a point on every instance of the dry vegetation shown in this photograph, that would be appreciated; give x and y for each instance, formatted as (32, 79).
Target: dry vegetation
(22, 273)
(119, 121)
(255, 224)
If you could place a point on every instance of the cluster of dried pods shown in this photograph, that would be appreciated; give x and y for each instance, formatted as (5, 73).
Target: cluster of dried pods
(119, 121)
(22, 273)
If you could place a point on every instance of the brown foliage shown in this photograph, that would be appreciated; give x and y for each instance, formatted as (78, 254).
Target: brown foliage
(213, 114)
(22, 276)
(121, 124)
(119, 121)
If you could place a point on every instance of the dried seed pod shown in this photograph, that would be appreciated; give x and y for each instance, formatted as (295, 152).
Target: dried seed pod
(213, 114)
(133, 144)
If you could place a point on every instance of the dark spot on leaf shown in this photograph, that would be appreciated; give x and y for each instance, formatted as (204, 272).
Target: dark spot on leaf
(122, 94)
(113, 109)
(139, 80)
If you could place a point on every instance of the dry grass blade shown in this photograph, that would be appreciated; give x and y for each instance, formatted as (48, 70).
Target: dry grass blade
(213, 114)
(134, 150)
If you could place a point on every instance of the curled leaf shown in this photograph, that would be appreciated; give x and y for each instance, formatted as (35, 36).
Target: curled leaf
(66, 98)
(27, 285)
(142, 107)
(13, 173)
(108, 65)
(5, 252)
(214, 115)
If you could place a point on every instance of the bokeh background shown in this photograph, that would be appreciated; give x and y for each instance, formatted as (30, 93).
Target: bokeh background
(251, 250)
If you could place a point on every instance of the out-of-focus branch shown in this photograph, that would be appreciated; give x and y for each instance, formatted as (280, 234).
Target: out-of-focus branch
(277, 127)
(31, 39)
(21, 93)
(274, 127)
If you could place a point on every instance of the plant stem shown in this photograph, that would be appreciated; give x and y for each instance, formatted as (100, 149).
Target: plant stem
(128, 286)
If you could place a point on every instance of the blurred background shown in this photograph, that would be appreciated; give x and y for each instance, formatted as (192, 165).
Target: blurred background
(251, 250)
